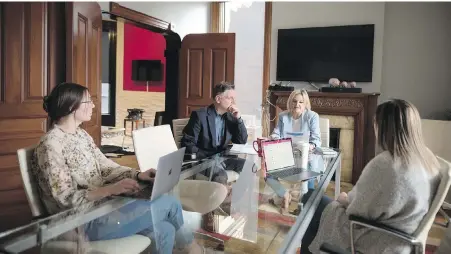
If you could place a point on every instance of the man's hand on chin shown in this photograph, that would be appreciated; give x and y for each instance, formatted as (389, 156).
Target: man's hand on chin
(235, 111)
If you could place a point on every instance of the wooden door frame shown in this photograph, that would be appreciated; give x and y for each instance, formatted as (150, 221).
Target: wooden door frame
(266, 61)
(111, 28)
(138, 17)
(173, 45)
(217, 17)
(218, 26)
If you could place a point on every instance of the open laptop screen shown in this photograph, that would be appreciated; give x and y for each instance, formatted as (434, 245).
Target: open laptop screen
(278, 154)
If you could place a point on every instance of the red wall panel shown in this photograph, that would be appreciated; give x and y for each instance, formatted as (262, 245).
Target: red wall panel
(142, 44)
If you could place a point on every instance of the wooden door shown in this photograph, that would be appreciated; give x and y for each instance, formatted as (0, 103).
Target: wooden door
(83, 42)
(24, 81)
(205, 60)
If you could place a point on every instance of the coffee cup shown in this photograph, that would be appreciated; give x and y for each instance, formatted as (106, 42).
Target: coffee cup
(257, 145)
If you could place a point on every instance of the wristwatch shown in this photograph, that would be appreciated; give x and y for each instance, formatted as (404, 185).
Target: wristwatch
(139, 180)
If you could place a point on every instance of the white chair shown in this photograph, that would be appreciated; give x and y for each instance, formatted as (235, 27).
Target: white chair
(437, 138)
(177, 128)
(249, 120)
(154, 140)
(132, 244)
(325, 132)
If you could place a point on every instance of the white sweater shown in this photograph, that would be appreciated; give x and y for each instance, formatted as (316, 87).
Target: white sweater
(394, 196)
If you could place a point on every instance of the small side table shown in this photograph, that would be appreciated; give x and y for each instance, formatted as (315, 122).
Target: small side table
(135, 124)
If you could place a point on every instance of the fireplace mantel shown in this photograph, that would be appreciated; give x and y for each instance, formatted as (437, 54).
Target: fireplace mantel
(361, 106)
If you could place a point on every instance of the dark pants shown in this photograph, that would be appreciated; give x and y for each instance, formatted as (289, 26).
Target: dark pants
(219, 174)
(314, 224)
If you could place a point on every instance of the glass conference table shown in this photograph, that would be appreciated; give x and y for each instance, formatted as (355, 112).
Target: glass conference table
(247, 221)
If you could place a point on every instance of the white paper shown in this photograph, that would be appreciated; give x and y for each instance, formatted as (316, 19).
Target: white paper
(278, 155)
(246, 149)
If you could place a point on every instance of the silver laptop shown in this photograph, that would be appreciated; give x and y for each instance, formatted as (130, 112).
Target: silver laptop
(280, 162)
(167, 176)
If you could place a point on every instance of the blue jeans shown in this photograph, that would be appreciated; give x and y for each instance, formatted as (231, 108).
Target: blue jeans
(160, 219)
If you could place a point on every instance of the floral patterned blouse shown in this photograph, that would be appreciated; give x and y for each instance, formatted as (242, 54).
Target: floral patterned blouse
(68, 165)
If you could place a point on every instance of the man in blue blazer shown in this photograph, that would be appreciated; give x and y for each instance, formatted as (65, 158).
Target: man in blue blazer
(210, 130)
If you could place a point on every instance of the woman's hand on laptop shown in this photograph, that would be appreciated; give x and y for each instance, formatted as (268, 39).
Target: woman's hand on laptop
(148, 175)
(127, 185)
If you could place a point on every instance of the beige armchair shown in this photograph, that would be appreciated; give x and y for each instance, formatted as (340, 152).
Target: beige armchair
(209, 195)
(132, 244)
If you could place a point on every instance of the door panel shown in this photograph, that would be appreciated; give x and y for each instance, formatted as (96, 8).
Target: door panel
(84, 30)
(24, 54)
(205, 60)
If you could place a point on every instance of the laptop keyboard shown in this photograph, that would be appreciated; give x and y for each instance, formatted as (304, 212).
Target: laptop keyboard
(144, 193)
(286, 172)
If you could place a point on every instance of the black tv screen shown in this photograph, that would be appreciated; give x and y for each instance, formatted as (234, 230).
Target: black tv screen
(147, 70)
(320, 53)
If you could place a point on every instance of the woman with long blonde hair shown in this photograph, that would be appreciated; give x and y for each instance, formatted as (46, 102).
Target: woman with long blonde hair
(395, 188)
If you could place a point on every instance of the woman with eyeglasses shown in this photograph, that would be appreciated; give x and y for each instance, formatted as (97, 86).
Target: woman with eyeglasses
(72, 171)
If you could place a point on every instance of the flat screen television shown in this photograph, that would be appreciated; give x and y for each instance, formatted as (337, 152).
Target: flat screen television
(317, 54)
(147, 70)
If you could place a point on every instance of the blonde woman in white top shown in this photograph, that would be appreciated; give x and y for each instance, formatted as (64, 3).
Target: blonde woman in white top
(299, 118)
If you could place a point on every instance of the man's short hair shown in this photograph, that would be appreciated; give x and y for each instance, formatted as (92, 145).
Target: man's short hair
(222, 87)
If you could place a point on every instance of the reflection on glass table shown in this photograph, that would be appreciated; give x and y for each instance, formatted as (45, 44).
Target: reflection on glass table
(244, 221)
(250, 219)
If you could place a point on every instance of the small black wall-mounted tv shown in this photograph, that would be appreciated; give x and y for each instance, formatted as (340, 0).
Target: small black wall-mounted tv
(147, 70)
(317, 54)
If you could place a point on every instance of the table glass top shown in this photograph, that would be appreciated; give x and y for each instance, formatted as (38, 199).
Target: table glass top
(229, 205)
